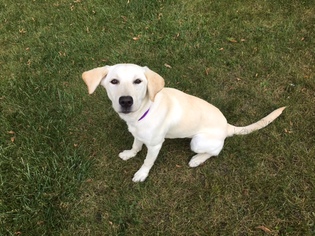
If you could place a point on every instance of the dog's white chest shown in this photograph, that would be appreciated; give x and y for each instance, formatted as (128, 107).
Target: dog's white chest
(138, 133)
(132, 129)
(148, 135)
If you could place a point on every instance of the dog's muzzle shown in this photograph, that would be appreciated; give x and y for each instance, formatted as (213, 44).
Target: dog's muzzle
(126, 103)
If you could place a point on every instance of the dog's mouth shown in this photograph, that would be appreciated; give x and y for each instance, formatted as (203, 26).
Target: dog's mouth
(125, 110)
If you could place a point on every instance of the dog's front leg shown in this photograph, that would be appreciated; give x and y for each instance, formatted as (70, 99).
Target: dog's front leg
(136, 147)
(143, 172)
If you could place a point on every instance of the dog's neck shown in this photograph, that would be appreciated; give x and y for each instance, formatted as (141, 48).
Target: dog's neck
(144, 115)
(145, 108)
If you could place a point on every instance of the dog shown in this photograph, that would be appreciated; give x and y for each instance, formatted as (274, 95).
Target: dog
(154, 112)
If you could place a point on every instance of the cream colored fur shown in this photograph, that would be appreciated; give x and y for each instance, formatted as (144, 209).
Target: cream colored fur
(171, 114)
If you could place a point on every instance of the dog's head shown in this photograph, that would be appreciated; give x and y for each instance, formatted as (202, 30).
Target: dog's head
(127, 85)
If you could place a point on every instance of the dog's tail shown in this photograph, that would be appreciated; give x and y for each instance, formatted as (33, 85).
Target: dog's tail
(234, 130)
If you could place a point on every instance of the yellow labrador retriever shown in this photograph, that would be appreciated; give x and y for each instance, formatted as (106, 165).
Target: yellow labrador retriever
(153, 113)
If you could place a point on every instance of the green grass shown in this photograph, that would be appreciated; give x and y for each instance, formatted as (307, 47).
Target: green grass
(59, 168)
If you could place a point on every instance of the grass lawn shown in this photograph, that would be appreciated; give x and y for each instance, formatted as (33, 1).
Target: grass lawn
(60, 173)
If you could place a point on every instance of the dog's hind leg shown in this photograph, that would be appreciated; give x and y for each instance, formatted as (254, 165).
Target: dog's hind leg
(205, 146)
(198, 159)
(136, 147)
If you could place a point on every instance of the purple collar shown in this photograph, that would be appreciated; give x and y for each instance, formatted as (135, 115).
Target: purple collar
(144, 115)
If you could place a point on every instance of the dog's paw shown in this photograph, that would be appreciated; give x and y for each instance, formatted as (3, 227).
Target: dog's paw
(140, 175)
(198, 159)
(127, 154)
(194, 163)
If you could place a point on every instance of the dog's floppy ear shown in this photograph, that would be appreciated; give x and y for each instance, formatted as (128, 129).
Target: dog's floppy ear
(93, 78)
(155, 83)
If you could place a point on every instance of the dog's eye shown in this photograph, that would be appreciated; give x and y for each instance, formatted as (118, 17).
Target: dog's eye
(114, 81)
(137, 81)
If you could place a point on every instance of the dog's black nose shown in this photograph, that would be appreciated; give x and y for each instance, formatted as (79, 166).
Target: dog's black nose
(125, 102)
